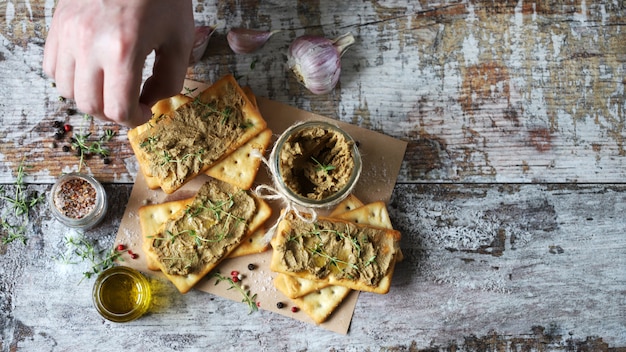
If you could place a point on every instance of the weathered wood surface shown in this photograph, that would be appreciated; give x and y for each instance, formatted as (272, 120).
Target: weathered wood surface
(528, 267)
(510, 199)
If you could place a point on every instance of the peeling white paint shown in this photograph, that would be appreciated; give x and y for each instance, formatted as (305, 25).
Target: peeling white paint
(10, 13)
(470, 50)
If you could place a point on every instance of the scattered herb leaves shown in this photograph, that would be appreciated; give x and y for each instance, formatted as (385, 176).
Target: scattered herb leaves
(21, 202)
(84, 250)
(85, 147)
(322, 167)
(247, 298)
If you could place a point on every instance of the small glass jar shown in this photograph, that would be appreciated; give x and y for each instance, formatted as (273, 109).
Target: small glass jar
(121, 294)
(78, 200)
(315, 164)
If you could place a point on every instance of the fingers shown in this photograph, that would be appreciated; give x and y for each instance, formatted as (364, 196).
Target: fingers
(50, 53)
(88, 90)
(120, 94)
(100, 66)
(172, 58)
(167, 78)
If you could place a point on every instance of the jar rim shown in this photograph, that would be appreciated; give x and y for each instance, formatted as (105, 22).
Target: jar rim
(300, 199)
(88, 220)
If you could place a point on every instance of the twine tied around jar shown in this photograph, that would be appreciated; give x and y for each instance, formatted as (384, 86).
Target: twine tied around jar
(268, 192)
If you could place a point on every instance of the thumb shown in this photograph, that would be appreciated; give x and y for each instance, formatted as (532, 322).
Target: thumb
(168, 76)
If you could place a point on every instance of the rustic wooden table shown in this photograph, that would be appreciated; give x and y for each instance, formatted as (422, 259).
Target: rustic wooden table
(511, 197)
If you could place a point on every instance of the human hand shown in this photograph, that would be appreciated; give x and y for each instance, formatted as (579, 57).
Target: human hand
(95, 52)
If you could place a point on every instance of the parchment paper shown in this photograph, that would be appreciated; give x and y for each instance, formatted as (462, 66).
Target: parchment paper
(381, 157)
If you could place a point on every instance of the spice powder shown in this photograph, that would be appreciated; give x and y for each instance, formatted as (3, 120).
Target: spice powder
(75, 198)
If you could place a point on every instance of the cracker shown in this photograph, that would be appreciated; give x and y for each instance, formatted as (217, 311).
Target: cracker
(372, 214)
(152, 217)
(159, 109)
(350, 203)
(319, 305)
(252, 245)
(335, 264)
(177, 210)
(212, 125)
(294, 287)
(240, 168)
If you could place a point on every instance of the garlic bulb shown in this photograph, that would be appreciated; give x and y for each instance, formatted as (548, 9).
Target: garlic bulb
(245, 41)
(202, 35)
(316, 61)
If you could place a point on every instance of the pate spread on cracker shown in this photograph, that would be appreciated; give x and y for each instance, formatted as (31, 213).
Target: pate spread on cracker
(202, 231)
(180, 144)
(340, 252)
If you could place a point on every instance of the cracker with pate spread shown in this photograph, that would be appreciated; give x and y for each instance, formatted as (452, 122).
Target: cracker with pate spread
(202, 231)
(179, 144)
(320, 303)
(339, 252)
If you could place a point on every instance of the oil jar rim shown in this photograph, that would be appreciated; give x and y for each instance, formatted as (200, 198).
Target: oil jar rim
(138, 310)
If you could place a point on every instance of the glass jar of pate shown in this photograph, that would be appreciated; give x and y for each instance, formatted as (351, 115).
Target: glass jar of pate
(121, 294)
(315, 164)
(78, 200)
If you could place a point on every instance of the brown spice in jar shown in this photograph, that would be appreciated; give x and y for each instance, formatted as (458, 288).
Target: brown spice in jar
(75, 198)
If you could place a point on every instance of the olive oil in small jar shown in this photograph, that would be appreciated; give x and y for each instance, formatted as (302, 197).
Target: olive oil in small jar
(121, 294)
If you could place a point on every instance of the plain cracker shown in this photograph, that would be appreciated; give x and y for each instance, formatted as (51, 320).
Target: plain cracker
(319, 305)
(351, 202)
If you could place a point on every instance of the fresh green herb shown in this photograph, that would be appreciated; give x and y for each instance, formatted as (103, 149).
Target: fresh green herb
(189, 91)
(168, 158)
(322, 167)
(171, 236)
(225, 114)
(370, 261)
(219, 209)
(85, 147)
(149, 143)
(13, 232)
(100, 260)
(22, 203)
(253, 64)
(318, 250)
(247, 298)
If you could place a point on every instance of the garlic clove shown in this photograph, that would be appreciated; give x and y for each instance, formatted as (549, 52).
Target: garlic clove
(202, 35)
(316, 61)
(245, 41)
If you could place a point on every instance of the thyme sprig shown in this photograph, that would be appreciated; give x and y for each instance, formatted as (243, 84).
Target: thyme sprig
(85, 147)
(21, 203)
(84, 250)
(13, 232)
(168, 158)
(218, 208)
(318, 250)
(225, 114)
(171, 236)
(247, 297)
(322, 167)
